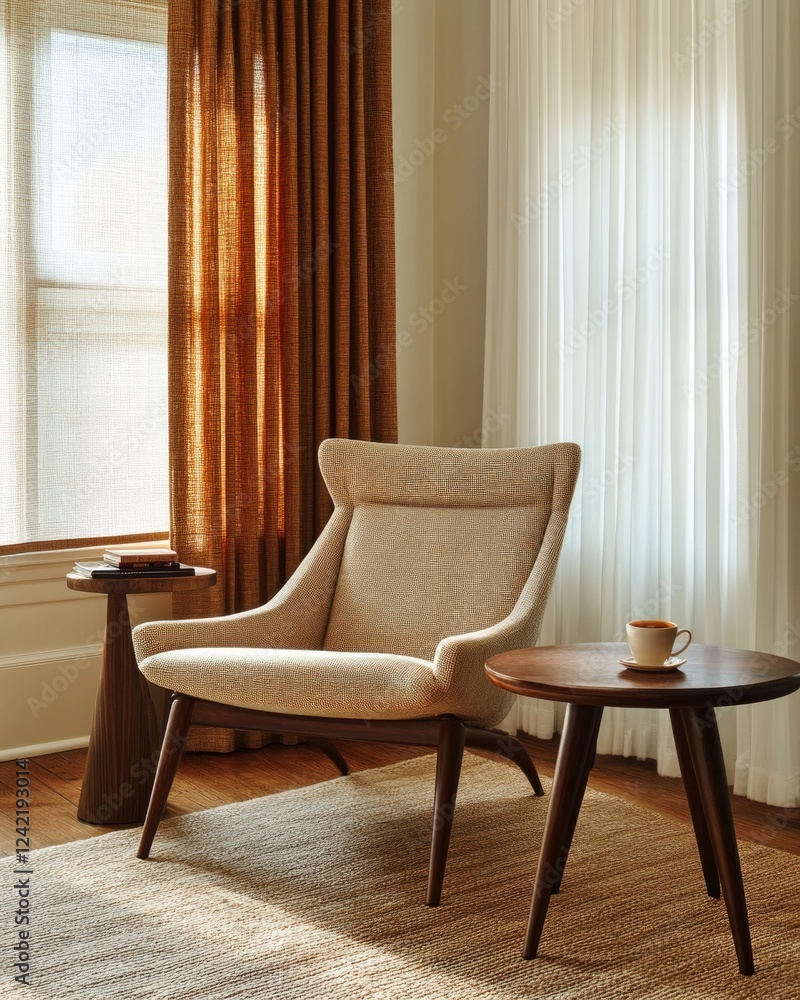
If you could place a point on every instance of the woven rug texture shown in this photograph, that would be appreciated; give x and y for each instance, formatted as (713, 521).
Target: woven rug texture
(318, 893)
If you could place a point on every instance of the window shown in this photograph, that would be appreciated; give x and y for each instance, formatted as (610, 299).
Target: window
(83, 242)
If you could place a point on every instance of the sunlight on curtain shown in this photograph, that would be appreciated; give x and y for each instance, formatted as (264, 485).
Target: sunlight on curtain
(83, 241)
(641, 301)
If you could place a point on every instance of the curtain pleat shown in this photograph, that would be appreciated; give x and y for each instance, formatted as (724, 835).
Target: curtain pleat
(281, 274)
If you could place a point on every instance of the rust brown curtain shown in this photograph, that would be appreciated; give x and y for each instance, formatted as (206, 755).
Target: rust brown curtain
(281, 274)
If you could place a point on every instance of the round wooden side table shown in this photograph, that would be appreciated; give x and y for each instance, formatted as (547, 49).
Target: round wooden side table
(125, 741)
(588, 677)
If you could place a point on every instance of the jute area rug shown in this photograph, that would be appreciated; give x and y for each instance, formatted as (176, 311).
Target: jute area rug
(318, 893)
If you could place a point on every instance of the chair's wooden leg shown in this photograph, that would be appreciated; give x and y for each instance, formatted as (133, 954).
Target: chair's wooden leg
(452, 735)
(509, 748)
(180, 718)
(704, 846)
(330, 751)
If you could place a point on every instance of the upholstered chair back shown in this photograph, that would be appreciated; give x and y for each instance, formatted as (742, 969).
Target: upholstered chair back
(440, 541)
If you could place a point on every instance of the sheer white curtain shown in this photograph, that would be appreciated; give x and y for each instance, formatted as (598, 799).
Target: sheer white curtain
(643, 290)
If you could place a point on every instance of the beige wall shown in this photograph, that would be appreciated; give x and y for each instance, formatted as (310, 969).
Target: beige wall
(413, 54)
(460, 219)
(441, 122)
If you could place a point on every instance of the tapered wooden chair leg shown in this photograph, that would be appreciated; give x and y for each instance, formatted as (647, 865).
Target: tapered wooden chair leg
(330, 751)
(508, 747)
(180, 718)
(452, 735)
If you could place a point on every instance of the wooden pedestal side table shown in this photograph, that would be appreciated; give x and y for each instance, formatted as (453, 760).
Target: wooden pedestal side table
(125, 741)
(588, 677)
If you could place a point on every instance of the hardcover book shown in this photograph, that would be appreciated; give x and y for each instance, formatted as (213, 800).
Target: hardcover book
(147, 557)
(102, 570)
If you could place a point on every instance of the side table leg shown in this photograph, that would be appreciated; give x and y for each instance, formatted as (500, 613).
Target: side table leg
(704, 845)
(709, 767)
(578, 742)
(586, 766)
(123, 750)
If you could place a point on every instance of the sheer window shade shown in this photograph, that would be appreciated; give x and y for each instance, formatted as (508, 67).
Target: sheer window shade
(83, 236)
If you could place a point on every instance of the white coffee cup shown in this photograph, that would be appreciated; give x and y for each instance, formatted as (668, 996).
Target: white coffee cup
(651, 641)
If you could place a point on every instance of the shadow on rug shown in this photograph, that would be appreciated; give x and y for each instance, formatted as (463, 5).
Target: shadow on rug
(319, 893)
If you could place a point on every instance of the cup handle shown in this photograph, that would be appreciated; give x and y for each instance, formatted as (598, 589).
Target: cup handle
(685, 646)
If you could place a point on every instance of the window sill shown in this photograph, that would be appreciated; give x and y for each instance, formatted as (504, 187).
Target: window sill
(28, 566)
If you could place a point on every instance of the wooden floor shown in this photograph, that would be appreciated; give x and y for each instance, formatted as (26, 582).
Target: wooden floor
(207, 780)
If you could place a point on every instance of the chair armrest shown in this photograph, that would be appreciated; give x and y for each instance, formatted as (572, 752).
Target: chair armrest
(459, 666)
(295, 618)
(459, 660)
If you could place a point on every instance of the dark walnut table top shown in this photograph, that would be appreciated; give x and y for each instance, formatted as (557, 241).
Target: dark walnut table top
(203, 577)
(590, 674)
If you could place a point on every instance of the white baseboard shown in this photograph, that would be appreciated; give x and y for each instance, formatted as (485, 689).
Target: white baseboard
(39, 749)
(40, 658)
(47, 699)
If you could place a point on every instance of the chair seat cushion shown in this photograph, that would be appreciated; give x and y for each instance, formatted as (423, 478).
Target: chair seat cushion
(302, 682)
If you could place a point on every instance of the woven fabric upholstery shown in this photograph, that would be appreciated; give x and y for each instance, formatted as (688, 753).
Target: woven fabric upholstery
(296, 616)
(332, 685)
(411, 576)
(357, 472)
(433, 560)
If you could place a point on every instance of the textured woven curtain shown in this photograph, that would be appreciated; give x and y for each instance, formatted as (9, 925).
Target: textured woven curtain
(281, 274)
(644, 281)
(281, 242)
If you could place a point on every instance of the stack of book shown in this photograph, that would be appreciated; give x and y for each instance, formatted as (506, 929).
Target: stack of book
(119, 563)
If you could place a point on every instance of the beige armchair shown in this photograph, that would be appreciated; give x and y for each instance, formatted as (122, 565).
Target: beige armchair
(433, 560)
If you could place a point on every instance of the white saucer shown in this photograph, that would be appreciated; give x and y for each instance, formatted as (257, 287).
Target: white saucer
(671, 664)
